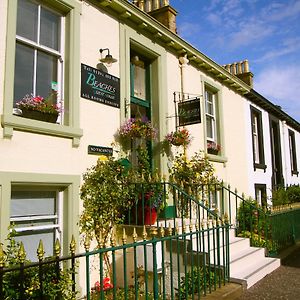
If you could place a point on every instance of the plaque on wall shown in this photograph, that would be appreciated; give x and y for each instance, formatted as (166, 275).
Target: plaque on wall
(99, 86)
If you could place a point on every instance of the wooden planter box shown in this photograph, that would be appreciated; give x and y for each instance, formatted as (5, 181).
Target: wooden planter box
(40, 116)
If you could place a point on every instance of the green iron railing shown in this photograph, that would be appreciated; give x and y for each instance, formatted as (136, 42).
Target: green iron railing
(187, 262)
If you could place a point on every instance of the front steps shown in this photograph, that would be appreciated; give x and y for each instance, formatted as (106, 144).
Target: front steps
(248, 264)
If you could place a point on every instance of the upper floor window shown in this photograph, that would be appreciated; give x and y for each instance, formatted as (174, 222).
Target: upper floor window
(39, 52)
(257, 139)
(293, 155)
(212, 129)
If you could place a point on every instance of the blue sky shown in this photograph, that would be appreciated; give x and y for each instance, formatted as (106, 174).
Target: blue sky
(265, 32)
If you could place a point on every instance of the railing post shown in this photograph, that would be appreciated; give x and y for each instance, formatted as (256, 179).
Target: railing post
(40, 254)
(155, 275)
(87, 245)
(2, 261)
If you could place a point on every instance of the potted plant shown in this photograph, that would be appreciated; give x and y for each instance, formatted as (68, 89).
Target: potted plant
(39, 108)
(213, 148)
(180, 137)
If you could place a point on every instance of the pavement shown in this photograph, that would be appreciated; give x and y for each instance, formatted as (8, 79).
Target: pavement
(283, 283)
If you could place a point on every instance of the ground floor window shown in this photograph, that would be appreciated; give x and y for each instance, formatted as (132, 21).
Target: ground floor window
(261, 194)
(35, 215)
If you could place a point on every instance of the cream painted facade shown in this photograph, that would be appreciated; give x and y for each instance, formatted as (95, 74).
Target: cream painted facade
(36, 154)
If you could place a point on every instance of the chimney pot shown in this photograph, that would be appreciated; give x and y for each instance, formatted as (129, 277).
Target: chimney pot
(246, 66)
(155, 4)
(239, 68)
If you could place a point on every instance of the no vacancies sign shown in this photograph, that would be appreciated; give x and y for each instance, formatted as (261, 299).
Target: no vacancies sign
(99, 86)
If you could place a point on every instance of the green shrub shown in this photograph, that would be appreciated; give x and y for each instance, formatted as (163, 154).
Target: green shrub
(284, 196)
(196, 280)
(293, 193)
(55, 283)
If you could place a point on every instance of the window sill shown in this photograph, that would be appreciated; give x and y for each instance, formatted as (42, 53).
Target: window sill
(260, 166)
(12, 122)
(217, 158)
(296, 173)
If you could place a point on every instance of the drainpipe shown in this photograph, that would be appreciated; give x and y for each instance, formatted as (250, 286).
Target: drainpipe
(183, 61)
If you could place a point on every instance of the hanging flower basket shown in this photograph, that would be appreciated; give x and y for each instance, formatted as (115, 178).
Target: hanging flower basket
(180, 137)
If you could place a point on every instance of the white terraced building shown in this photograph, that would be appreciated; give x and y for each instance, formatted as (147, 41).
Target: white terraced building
(53, 46)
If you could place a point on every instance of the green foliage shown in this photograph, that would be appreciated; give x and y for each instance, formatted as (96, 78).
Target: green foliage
(53, 285)
(196, 280)
(288, 195)
(258, 241)
(107, 192)
(197, 170)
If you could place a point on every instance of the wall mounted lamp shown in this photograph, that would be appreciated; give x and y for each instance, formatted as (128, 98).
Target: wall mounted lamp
(108, 60)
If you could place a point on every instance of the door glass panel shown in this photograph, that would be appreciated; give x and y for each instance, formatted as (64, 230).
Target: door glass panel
(24, 62)
(50, 26)
(46, 73)
(27, 20)
(139, 82)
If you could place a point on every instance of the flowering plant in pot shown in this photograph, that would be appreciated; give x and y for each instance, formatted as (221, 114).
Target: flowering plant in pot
(213, 147)
(180, 137)
(39, 108)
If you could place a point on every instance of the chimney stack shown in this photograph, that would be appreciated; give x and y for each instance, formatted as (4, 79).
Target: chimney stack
(241, 70)
(160, 10)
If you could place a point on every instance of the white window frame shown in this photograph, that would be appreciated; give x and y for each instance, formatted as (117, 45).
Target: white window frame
(57, 218)
(211, 117)
(59, 54)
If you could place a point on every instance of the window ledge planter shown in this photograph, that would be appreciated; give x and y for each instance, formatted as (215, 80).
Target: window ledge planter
(213, 151)
(38, 115)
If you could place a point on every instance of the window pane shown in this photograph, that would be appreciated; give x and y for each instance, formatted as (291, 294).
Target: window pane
(32, 203)
(31, 241)
(139, 82)
(24, 63)
(46, 73)
(209, 127)
(50, 27)
(27, 19)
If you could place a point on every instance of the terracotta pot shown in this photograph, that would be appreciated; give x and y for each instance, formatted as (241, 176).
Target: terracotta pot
(150, 215)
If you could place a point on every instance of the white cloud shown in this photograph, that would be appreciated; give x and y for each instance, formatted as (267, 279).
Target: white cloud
(289, 46)
(282, 11)
(281, 84)
(249, 34)
(188, 29)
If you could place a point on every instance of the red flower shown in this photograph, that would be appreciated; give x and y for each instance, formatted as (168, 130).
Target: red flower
(107, 285)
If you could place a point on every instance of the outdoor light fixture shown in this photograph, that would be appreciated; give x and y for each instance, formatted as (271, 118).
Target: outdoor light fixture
(108, 60)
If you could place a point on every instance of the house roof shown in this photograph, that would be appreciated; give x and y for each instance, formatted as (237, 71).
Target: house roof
(129, 13)
(273, 109)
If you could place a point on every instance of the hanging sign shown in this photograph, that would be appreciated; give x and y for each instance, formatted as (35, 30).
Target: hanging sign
(189, 112)
(99, 86)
